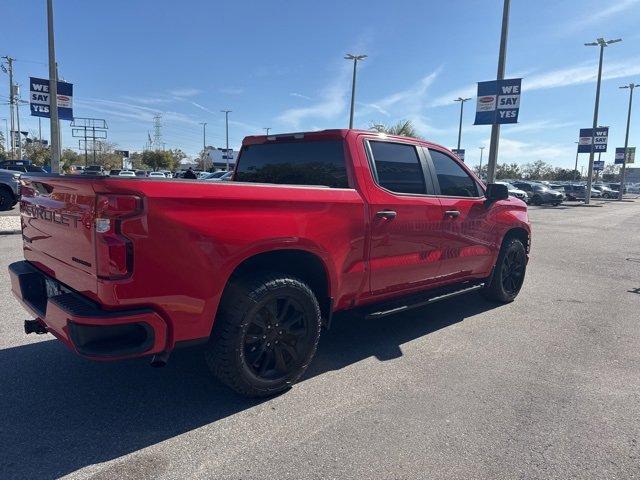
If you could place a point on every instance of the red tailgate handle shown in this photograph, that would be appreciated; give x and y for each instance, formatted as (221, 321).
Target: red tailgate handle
(452, 213)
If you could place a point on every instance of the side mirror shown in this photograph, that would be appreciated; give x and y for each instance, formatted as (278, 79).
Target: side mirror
(496, 191)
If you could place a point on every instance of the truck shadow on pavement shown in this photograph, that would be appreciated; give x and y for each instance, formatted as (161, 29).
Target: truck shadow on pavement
(60, 413)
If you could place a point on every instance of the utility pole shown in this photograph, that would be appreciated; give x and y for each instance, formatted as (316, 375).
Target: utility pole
(600, 42)
(226, 123)
(355, 59)
(19, 135)
(157, 133)
(11, 101)
(631, 86)
(53, 94)
(575, 170)
(461, 100)
(204, 144)
(495, 128)
(480, 169)
(266, 129)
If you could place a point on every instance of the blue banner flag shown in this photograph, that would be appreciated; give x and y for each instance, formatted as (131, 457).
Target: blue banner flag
(39, 98)
(599, 140)
(498, 101)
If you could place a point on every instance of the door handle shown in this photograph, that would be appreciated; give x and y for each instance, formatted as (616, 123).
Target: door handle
(388, 214)
(452, 213)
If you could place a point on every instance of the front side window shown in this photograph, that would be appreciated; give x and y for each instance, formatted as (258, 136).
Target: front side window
(294, 163)
(453, 179)
(398, 167)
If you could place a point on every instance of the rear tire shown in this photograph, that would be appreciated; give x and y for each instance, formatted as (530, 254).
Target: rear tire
(508, 273)
(6, 200)
(535, 200)
(265, 334)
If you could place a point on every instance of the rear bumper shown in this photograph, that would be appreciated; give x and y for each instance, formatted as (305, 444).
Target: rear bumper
(83, 325)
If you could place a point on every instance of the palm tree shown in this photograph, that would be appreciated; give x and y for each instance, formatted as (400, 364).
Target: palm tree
(403, 128)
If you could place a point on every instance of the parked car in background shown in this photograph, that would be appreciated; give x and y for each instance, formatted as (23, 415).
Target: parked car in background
(540, 194)
(23, 166)
(157, 175)
(115, 172)
(127, 173)
(516, 192)
(212, 175)
(9, 188)
(607, 192)
(595, 192)
(94, 170)
(141, 173)
(575, 192)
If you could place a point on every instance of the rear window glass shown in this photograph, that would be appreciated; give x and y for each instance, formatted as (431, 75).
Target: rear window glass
(294, 163)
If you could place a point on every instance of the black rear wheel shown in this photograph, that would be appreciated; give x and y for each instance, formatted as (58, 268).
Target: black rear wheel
(508, 273)
(265, 335)
(6, 199)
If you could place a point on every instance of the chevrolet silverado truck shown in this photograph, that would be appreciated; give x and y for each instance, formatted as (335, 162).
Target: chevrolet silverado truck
(311, 224)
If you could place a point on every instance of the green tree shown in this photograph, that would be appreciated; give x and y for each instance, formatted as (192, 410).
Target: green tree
(565, 174)
(403, 128)
(157, 159)
(538, 170)
(69, 158)
(3, 151)
(38, 153)
(508, 171)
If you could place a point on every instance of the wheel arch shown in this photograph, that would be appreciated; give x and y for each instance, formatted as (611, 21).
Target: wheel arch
(303, 264)
(521, 234)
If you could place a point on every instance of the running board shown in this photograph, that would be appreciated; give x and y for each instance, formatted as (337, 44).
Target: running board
(421, 302)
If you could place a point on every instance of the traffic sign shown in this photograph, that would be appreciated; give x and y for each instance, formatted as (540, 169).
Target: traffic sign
(122, 153)
(599, 140)
(459, 153)
(598, 165)
(631, 155)
(498, 101)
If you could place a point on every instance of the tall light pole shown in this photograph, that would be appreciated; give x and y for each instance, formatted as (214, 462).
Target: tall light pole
(204, 144)
(502, 59)
(266, 129)
(575, 170)
(355, 59)
(600, 42)
(9, 72)
(226, 123)
(480, 169)
(631, 86)
(461, 100)
(53, 94)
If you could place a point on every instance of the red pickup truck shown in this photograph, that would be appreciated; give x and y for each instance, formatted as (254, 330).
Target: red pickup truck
(312, 223)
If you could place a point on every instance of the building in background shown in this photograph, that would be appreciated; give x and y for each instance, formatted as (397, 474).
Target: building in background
(218, 158)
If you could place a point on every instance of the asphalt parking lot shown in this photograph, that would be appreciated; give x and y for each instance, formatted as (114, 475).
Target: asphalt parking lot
(546, 387)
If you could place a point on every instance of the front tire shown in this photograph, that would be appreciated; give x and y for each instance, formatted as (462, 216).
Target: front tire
(508, 273)
(6, 200)
(265, 334)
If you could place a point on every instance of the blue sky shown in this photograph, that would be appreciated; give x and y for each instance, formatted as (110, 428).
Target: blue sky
(280, 64)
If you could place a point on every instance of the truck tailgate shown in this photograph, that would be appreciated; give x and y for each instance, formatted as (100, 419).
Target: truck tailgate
(57, 226)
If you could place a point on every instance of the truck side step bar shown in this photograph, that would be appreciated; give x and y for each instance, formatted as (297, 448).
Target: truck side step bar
(414, 301)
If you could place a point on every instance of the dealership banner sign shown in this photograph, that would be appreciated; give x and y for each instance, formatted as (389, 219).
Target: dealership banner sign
(459, 153)
(631, 155)
(599, 138)
(498, 101)
(39, 98)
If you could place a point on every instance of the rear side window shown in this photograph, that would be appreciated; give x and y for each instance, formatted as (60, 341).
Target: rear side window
(398, 167)
(453, 179)
(294, 163)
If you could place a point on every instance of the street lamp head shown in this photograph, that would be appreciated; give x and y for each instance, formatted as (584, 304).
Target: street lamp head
(350, 56)
(609, 42)
(601, 42)
(591, 44)
(460, 99)
(631, 85)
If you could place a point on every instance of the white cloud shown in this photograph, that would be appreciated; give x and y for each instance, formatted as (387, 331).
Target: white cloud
(202, 107)
(599, 15)
(332, 104)
(184, 92)
(232, 90)
(299, 95)
(516, 151)
(562, 77)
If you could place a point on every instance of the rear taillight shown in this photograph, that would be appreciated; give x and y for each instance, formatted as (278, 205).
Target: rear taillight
(114, 251)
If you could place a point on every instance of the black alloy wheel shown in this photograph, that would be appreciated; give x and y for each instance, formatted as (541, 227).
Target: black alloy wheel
(513, 268)
(276, 338)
